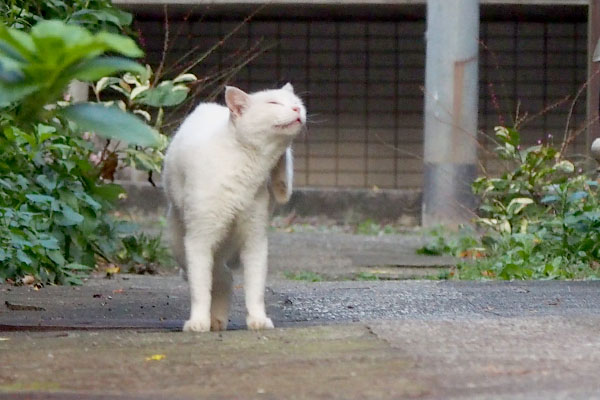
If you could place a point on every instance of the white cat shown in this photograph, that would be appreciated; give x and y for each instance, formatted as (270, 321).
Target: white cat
(217, 174)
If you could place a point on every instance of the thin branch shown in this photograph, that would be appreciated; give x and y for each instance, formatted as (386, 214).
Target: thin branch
(566, 138)
(159, 71)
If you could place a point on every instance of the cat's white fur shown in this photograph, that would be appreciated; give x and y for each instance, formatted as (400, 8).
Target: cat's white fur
(221, 170)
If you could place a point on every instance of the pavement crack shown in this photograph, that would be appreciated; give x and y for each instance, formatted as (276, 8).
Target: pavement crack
(372, 332)
(22, 307)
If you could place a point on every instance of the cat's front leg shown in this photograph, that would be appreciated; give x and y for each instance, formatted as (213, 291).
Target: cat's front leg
(199, 272)
(253, 256)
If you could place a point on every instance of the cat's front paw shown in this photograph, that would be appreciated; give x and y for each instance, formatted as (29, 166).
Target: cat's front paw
(196, 325)
(258, 323)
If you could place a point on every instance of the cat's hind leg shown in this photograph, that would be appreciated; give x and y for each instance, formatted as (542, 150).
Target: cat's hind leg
(221, 297)
(176, 232)
(202, 237)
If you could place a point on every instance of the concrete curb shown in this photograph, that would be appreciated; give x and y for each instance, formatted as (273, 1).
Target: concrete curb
(339, 204)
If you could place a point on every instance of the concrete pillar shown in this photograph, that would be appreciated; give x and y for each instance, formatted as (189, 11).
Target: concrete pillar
(78, 91)
(451, 103)
(593, 66)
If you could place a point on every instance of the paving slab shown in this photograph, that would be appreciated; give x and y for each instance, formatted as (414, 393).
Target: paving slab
(340, 340)
(344, 256)
(145, 302)
(121, 338)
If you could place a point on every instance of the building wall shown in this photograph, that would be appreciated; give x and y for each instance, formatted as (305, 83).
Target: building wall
(362, 79)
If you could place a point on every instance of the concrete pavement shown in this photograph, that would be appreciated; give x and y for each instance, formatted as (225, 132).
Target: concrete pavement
(120, 338)
(346, 340)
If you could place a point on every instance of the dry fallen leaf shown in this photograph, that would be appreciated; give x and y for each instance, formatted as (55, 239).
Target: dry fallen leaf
(112, 269)
(28, 280)
(4, 339)
(156, 357)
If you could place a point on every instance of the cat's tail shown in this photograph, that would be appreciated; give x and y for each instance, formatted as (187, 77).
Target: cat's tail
(282, 177)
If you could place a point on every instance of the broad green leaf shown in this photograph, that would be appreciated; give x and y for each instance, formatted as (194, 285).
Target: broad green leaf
(144, 114)
(12, 93)
(109, 192)
(517, 205)
(96, 68)
(164, 95)
(45, 182)
(58, 31)
(103, 83)
(564, 166)
(24, 258)
(45, 132)
(89, 200)
(77, 267)
(120, 44)
(137, 90)
(505, 227)
(69, 216)
(577, 196)
(56, 256)
(131, 79)
(549, 199)
(114, 16)
(508, 135)
(185, 78)
(16, 44)
(10, 73)
(111, 122)
(49, 243)
(40, 198)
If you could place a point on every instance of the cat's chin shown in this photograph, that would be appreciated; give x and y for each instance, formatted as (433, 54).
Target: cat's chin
(291, 128)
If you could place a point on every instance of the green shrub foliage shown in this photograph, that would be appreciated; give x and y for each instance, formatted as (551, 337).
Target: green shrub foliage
(54, 220)
(538, 220)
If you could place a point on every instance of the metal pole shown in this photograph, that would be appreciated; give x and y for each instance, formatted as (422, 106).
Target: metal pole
(451, 103)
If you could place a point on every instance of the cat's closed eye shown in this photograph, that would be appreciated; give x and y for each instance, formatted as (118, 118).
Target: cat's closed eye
(275, 102)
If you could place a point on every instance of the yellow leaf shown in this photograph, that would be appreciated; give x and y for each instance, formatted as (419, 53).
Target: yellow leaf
(113, 269)
(4, 339)
(156, 357)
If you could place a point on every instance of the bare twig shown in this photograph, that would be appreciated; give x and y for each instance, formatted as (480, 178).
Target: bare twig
(567, 142)
(567, 138)
(159, 70)
(545, 110)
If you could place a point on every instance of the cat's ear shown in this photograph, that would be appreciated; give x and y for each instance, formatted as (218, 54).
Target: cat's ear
(237, 100)
(288, 86)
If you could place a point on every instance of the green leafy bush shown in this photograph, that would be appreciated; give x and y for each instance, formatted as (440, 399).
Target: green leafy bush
(538, 220)
(53, 204)
(145, 96)
(94, 15)
(144, 254)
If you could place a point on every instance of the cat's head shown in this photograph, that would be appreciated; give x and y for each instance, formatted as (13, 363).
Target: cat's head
(277, 112)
